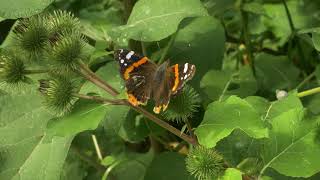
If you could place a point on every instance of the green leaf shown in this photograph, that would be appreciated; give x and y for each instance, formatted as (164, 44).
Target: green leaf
(194, 44)
(130, 165)
(168, 165)
(153, 20)
(2, 19)
(221, 84)
(134, 127)
(86, 115)
(108, 73)
(232, 174)
(259, 103)
(316, 40)
(277, 21)
(255, 8)
(26, 151)
(275, 72)
(221, 118)
(96, 24)
(22, 8)
(292, 147)
(215, 83)
(244, 84)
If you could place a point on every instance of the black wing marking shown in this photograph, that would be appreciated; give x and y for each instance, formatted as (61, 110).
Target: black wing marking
(182, 74)
(137, 71)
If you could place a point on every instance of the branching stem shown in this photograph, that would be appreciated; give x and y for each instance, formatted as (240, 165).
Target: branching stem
(309, 92)
(92, 77)
(246, 37)
(36, 71)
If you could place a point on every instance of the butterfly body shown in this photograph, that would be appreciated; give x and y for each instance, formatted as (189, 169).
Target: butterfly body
(145, 79)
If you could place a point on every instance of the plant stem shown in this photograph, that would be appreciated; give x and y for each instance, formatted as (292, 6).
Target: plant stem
(189, 126)
(165, 125)
(293, 31)
(166, 50)
(144, 49)
(87, 159)
(100, 99)
(246, 37)
(307, 79)
(289, 16)
(36, 71)
(91, 76)
(96, 145)
(309, 92)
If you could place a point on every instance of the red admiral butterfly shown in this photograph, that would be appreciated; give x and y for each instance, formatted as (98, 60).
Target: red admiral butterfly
(144, 79)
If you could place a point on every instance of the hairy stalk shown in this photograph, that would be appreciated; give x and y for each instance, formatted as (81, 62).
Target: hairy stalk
(166, 50)
(100, 99)
(189, 126)
(289, 16)
(309, 92)
(246, 37)
(92, 77)
(144, 49)
(87, 159)
(36, 71)
(96, 146)
(307, 79)
(293, 31)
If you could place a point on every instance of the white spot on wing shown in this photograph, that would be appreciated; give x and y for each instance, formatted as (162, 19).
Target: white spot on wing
(121, 61)
(121, 50)
(125, 64)
(128, 56)
(185, 76)
(185, 69)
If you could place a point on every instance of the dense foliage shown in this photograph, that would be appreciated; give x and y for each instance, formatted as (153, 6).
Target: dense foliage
(250, 112)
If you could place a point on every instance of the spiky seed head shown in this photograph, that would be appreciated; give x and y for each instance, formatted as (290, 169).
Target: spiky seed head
(62, 22)
(12, 69)
(58, 93)
(204, 163)
(32, 34)
(67, 51)
(183, 105)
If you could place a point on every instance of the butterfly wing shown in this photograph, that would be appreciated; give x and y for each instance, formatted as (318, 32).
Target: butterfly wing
(169, 83)
(182, 74)
(137, 72)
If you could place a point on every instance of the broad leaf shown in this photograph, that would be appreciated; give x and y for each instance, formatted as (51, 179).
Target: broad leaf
(153, 20)
(316, 40)
(232, 174)
(96, 24)
(215, 84)
(22, 8)
(27, 152)
(132, 165)
(199, 41)
(275, 72)
(221, 118)
(292, 148)
(168, 165)
(86, 115)
(220, 84)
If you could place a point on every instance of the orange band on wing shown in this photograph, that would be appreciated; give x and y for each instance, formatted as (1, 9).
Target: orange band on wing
(134, 65)
(133, 100)
(176, 77)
